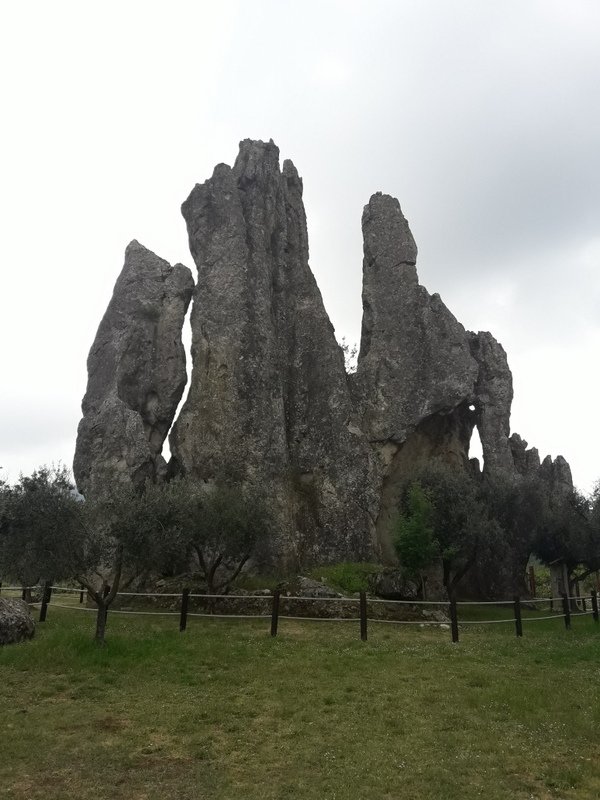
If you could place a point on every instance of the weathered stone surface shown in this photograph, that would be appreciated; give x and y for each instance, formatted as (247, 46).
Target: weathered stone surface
(557, 474)
(136, 374)
(16, 622)
(526, 461)
(392, 584)
(414, 360)
(269, 403)
(422, 381)
(493, 396)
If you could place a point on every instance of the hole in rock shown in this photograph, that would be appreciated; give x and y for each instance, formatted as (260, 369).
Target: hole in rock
(475, 448)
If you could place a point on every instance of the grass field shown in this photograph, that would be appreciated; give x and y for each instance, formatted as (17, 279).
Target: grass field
(224, 711)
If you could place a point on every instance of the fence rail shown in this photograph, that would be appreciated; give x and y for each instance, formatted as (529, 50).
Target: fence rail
(276, 597)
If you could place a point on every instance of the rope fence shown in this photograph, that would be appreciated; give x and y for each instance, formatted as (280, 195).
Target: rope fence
(276, 597)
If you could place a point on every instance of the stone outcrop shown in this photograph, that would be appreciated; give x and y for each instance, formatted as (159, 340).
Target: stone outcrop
(270, 404)
(557, 474)
(423, 382)
(492, 397)
(414, 360)
(526, 461)
(16, 622)
(136, 374)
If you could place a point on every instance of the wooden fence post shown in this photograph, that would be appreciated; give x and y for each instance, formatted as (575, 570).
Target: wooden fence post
(595, 605)
(275, 612)
(81, 594)
(566, 611)
(105, 595)
(518, 621)
(47, 594)
(363, 616)
(184, 609)
(24, 593)
(532, 586)
(454, 620)
(0, 587)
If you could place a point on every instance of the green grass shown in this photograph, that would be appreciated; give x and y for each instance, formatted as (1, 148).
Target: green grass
(349, 577)
(224, 711)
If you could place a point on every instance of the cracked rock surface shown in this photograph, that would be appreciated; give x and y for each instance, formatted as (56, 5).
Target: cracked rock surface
(269, 403)
(136, 374)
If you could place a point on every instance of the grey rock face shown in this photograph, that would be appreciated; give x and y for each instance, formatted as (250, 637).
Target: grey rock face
(557, 474)
(269, 402)
(413, 360)
(136, 374)
(392, 584)
(526, 461)
(493, 396)
(16, 622)
(422, 381)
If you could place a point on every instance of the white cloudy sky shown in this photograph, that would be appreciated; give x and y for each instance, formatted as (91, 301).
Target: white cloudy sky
(481, 117)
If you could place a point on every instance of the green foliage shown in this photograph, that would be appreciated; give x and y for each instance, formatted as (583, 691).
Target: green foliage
(413, 532)
(221, 525)
(461, 523)
(348, 576)
(569, 533)
(43, 528)
(543, 584)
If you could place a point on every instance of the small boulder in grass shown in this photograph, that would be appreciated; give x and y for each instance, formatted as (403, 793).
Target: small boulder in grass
(16, 622)
(393, 584)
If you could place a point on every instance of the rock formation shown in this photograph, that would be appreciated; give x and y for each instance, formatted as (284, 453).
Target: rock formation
(414, 358)
(527, 462)
(136, 374)
(270, 404)
(422, 381)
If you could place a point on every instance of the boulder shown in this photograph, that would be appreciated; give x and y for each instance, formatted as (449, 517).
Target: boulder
(392, 584)
(16, 622)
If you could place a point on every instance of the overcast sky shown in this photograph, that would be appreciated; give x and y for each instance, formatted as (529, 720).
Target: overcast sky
(481, 117)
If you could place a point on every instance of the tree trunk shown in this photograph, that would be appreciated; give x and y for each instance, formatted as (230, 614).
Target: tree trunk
(446, 576)
(100, 623)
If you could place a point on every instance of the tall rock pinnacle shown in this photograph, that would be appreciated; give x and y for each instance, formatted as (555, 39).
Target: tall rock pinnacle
(269, 403)
(422, 382)
(414, 360)
(136, 374)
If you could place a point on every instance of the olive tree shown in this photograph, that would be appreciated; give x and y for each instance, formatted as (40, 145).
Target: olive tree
(222, 526)
(462, 527)
(413, 534)
(43, 531)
